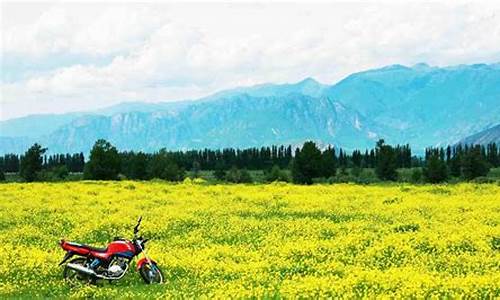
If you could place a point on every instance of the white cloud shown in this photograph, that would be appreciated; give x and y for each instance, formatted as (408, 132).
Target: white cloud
(158, 52)
(75, 29)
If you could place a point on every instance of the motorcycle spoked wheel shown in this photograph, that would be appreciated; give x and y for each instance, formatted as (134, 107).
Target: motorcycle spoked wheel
(74, 277)
(151, 273)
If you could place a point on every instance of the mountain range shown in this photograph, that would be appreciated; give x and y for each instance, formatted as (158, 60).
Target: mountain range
(421, 105)
(490, 135)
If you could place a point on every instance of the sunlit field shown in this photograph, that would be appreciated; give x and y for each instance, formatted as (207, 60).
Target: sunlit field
(276, 240)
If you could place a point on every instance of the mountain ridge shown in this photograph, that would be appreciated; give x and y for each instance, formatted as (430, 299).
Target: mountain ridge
(484, 137)
(421, 105)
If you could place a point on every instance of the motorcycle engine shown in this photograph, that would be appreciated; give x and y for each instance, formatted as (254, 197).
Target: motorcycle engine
(117, 266)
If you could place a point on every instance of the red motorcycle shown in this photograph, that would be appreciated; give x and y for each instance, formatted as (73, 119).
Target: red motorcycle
(110, 263)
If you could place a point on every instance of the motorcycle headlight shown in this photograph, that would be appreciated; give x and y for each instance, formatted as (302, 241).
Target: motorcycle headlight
(139, 244)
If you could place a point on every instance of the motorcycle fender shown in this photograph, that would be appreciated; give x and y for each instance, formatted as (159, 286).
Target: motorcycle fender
(67, 256)
(142, 261)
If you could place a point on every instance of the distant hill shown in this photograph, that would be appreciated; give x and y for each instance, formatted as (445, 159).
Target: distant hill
(427, 106)
(34, 126)
(490, 135)
(420, 105)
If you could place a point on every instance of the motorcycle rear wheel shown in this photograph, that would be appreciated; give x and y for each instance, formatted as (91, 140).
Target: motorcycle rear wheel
(74, 277)
(151, 273)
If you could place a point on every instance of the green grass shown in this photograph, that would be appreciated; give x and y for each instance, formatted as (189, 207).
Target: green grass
(367, 175)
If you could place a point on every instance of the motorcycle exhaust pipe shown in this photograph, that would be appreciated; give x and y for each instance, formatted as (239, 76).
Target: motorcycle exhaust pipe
(82, 269)
(91, 272)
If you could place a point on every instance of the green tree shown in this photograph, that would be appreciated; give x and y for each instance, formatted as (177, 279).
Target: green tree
(435, 169)
(306, 164)
(455, 165)
(81, 162)
(356, 158)
(493, 155)
(474, 164)
(164, 167)
(328, 167)
(31, 162)
(173, 172)
(386, 161)
(2, 175)
(138, 166)
(104, 162)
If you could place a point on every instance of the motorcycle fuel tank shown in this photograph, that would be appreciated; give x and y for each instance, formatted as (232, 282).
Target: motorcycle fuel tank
(120, 248)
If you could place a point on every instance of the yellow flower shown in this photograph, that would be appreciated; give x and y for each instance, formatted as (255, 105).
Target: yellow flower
(275, 240)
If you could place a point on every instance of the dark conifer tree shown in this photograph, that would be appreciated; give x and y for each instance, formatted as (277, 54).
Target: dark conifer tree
(474, 164)
(435, 169)
(328, 163)
(306, 164)
(448, 154)
(31, 162)
(386, 161)
(356, 158)
(493, 155)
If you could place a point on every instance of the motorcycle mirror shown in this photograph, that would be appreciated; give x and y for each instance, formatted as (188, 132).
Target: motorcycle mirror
(136, 228)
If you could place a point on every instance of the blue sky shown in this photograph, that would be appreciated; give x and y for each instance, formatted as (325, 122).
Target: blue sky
(61, 57)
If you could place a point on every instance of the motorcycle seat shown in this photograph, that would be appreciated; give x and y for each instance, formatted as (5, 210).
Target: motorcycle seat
(91, 248)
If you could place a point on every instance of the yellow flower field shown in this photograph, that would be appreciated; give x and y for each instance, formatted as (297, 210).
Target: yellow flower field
(276, 240)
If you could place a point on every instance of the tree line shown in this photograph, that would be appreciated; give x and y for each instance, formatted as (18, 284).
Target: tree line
(35, 165)
(301, 165)
(465, 161)
(10, 163)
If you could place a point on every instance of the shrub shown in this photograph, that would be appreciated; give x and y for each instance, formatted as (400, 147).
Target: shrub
(219, 172)
(319, 180)
(245, 176)
(195, 170)
(276, 174)
(367, 176)
(60, 172)
(356, 171)
(416, 175)
(238, 176)
(483, 179)
(341, 178)
(366, 180)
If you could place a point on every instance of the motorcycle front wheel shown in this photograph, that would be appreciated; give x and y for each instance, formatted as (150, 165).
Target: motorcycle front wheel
(74, 277)
(151, 273)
